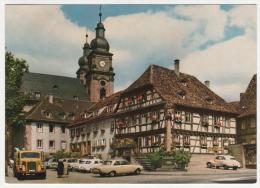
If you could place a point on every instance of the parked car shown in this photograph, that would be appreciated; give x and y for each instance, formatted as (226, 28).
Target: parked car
(88, 164)
(52, 163)
(118, 166)
(72, 163)
(225, 161)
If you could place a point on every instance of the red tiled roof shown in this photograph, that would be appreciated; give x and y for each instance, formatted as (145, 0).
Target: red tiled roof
(169, 86)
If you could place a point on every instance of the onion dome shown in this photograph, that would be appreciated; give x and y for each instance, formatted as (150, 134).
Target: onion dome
(86, 50)
(100, 43)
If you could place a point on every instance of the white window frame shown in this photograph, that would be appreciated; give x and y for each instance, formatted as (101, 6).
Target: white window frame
(39, 127)
(38, 141)
(51, 147)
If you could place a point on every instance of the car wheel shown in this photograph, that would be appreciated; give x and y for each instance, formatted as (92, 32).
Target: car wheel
(225, 167)
(112, 174)
(137, 171)
(209, 165)
(19, 176)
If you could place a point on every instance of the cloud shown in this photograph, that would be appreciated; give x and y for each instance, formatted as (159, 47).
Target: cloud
(244, 17)
(45, 38)
(52, 44)
(228, 65)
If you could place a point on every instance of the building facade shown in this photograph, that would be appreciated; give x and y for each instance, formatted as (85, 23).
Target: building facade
(93, 133)
(174, 110)
(46, 124)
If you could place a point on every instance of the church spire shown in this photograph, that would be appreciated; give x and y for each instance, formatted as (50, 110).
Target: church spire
(100, 14)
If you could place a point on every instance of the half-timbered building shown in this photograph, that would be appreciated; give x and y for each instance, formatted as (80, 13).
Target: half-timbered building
(168, 108)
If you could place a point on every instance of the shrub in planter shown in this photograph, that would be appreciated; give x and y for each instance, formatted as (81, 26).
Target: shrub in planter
(155, 159)
(182, 158)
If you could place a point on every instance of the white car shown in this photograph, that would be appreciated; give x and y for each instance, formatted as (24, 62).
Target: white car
(89, 164)
(225, 161)
(80, 162)
(72, 163)
(51, 163)
(115, 167)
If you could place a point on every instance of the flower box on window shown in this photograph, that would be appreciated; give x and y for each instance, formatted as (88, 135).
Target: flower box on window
(102, 131)
(203, 145)
(154, 118)
(177, 118)
(186, 144)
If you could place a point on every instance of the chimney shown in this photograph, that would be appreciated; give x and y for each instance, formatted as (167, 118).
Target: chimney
(207, 83)
(50, 98)
(177, 67)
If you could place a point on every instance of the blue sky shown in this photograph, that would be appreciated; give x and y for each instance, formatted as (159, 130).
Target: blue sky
(213, 42)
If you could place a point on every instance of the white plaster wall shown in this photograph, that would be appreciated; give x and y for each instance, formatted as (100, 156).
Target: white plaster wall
(46, 136)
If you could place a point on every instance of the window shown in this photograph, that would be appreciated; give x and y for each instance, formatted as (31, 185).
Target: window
(203, 141)
(102, 93)
(253, 141)
(75, 97)
(252, 123)
(243, 124)
(39, 127)
(102, 83)
(176, 139)
(63, 129)
(37, 94)
(186, 140)
(216, 120)
(63, 144)
(51, 128)
(39, 144)
(227, 122)
(51, 144)
(187, 117)
(48, 114)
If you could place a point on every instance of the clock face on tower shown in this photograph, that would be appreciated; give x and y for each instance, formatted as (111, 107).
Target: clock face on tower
(102, 63)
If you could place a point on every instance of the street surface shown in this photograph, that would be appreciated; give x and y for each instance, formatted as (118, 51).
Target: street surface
(202, 176)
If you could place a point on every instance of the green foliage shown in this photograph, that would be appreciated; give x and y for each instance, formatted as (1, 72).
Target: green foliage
(181, 157)
(61, 154)
(75, 155)
(14, 101)
(155, 159)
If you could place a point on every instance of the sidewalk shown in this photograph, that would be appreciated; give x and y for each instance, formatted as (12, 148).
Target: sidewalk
(206, 171)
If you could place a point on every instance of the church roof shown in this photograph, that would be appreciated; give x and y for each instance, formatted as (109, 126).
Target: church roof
(59, 86)
(170, 87)
(60, 110)
(248, 99)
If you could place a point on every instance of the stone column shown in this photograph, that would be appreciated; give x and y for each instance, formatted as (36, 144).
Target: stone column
(168, 126)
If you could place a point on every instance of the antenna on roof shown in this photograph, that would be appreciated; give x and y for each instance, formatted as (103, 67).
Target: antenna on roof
(100, 13)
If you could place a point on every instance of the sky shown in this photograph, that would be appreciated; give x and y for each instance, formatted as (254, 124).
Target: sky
(213, 42)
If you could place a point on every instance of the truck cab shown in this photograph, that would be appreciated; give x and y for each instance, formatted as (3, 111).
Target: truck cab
(29, 163)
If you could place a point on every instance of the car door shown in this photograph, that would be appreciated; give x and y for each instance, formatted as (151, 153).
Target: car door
(125, 167)
(117, 167)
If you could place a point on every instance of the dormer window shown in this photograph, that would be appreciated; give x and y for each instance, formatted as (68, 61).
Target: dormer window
(184, 82)
(209, 100)
(62, 115)
(181, 94)
(37, 94)
(48, 114)
(55, 86)
(75, 97)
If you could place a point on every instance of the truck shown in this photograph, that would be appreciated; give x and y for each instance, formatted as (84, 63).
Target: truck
(28, 162)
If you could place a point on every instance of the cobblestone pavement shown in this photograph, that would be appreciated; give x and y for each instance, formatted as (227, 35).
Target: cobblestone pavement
(202, 176)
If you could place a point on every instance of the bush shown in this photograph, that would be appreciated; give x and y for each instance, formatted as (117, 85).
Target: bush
(182, 158)
(61, 154)
(155, 159)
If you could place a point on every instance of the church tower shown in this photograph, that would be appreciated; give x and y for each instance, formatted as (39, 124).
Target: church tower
(96, 71)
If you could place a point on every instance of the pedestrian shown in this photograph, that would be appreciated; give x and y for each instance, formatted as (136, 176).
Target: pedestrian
(60, 168)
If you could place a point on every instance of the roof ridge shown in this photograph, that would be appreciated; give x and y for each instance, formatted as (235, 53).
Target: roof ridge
(50, 75)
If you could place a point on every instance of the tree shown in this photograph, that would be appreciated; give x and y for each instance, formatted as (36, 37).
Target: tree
(14, 101)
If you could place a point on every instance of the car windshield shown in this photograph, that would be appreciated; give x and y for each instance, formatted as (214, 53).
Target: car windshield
(30, 155)
(107, 162)
(88, 162)
(81, 162)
